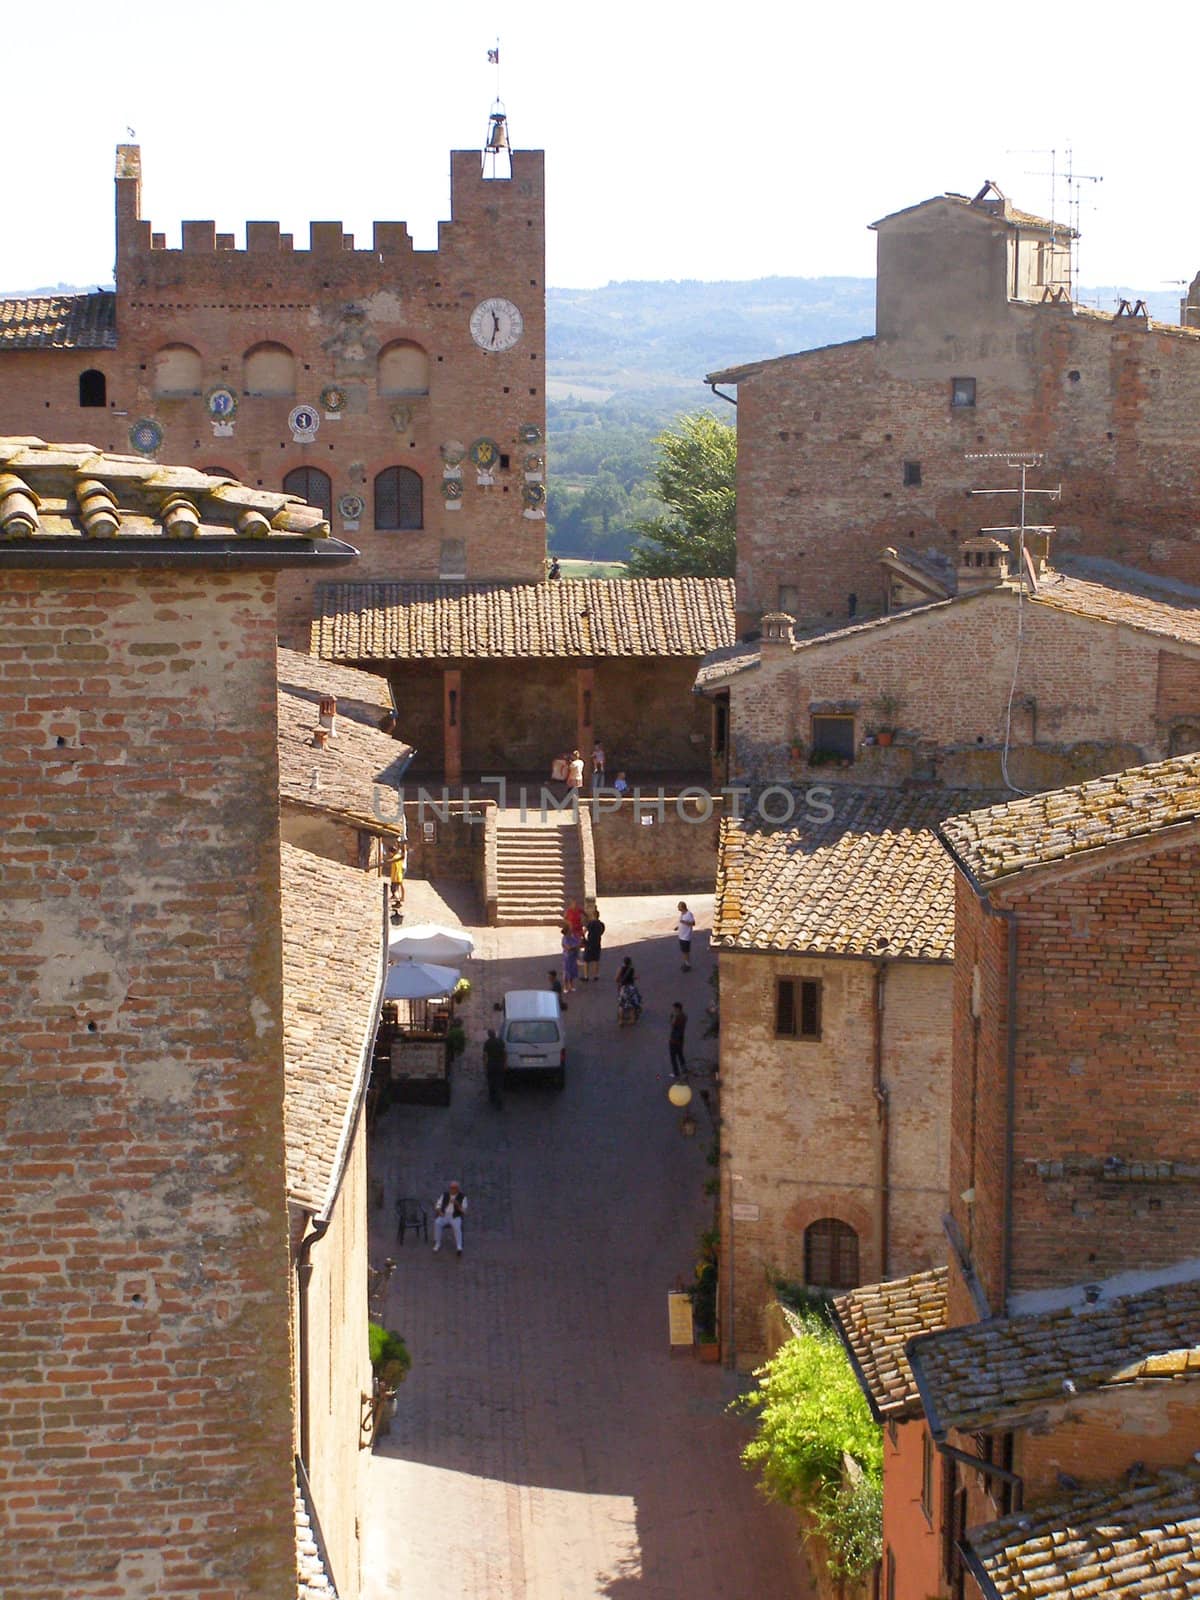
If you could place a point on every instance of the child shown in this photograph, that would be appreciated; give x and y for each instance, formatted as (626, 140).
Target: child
(556, 987)
(620, 786)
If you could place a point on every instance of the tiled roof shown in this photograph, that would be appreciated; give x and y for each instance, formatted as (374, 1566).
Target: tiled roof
(726, 662)
(972, 1376)
(1002, 211)
(363, 696)
(571, 618)
(1117, 594)
(312, 1580)
(876, 1323)
(866, 882)
(53, 495)
(344, 776)
(60, 322)
(1003, 840)
(1132, 1541)
(333, 962)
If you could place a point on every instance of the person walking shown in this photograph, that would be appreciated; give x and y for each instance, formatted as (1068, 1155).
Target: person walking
(448, 1211)
(574, 919)
(684, 926)
(593, 933)
(495, 1056)
(575, 773)
(678, 1027)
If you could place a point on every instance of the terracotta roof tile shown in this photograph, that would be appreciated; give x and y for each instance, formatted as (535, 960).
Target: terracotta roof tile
(1111, 593)
(876, 1323)
(362, 696)
(334, 954)
(974, 1376)
(868, 881)
(1132, 1541)
(60, 322)
(51, 493)
(567, 618)
(356, 774)
(1002, 841)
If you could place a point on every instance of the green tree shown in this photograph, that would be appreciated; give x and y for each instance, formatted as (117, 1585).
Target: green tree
(812, 1416)
(694, 479)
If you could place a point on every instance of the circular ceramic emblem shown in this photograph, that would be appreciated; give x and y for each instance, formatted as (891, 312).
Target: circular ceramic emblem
(452, 488)
(146, 436)
(529, 433)
(485, 453)
(333, 399)
(496, 324)
(351, 507)
(304, 421)
(535, 463)
(221, 404)
(453, 451)
(534, 494)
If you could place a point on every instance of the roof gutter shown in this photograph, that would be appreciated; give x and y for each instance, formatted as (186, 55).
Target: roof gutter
(732, 399)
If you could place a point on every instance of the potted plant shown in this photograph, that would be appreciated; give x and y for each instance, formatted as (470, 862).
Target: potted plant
(888, 707)
(390, 1363)
(703, 1293)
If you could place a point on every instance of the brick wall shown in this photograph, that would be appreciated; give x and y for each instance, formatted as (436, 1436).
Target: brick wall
(801, 1128)
(1096, 693)
(823, 437)
(676, 853)
(912, 1537)
(336, 308)
(144, 1327)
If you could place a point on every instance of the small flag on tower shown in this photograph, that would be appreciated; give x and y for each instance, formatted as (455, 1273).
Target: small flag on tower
(494, 57)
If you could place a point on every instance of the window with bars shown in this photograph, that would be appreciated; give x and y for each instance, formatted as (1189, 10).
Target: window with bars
(831, 1255)
(313, 485)
(798, 1008)
(398, 499)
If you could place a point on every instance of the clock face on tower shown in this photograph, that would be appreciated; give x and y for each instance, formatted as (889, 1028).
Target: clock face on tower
(496, 324)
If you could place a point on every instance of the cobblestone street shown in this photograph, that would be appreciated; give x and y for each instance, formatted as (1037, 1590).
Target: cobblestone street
(546, 1446)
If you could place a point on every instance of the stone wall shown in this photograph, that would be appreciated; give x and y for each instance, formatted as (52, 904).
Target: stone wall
(801, 1124)
(145, 1325)
(823, 438)
(675, 852)
(336, 309)
(454, 850)
(1089, 696)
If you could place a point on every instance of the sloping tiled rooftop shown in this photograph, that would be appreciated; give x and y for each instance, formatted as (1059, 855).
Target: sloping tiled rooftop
(1001, 841)
(1132, 1541)
(333, 961)
(876, 1323)
(363, 696)
(51, 493)
(572, 618)
(60, 322)
(343, 776)
(1113, 593)
(973, 1376)
(866, 882)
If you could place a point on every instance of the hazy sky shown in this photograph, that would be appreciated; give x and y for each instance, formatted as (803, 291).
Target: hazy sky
(682, 140)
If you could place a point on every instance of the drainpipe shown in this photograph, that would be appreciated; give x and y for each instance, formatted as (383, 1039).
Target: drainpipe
(882, 1112)
(1010, 1104)
(304, 1272)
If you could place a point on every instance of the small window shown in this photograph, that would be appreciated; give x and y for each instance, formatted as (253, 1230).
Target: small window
(398, 499)
(831, 1255)
(912, 474)
(798, 1008)
(962, 391)
(93, 388)
(833, 738)
(313, 485)
(927, 1475)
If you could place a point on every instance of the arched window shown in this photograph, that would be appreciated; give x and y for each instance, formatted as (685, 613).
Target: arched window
(398, 498)
(830, 1255)
(403, 369)
(269, 369)
(178, 370)
(93, 389)
(313, 485)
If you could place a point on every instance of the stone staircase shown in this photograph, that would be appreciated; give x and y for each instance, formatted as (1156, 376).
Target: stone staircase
(539, 869)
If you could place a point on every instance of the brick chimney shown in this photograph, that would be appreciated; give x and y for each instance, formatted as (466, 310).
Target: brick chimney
(982, 563)
(776, 631)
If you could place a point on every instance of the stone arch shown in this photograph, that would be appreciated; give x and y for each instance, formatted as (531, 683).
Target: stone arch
(178, 370)
(403, 368)
(269, 370)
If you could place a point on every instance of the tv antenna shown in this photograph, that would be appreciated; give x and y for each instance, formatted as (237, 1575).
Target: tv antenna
(1073, 181)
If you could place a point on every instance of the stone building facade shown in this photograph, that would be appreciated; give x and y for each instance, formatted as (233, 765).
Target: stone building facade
(978, 349)
(402, 391)
(1061, 1397)
(147, 1319)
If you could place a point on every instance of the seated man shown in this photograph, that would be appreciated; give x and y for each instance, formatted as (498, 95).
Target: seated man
(448, 1211)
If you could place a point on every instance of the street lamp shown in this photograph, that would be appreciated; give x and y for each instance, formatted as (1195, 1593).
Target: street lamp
(680, 1096)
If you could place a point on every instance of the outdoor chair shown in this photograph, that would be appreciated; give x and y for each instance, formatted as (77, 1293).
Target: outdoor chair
(410, 1213)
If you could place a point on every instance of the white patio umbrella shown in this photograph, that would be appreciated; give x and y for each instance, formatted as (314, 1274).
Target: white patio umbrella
(418, 980)
(429, 941)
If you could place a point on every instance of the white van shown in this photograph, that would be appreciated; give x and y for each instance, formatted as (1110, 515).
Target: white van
(535, 1041)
